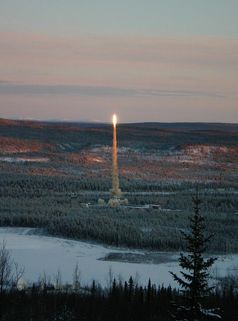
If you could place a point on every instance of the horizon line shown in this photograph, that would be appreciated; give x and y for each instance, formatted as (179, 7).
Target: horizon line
(109, 122)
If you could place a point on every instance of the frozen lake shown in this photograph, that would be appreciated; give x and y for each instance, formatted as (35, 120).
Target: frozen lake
(44, 254)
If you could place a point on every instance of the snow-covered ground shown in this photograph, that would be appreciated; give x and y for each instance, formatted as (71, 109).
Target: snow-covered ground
(24, 159)
(39, 254)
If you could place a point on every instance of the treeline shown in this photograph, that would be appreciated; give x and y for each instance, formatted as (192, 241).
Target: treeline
(126, 301)
(20, 185)
(143, 228)
(95, 228)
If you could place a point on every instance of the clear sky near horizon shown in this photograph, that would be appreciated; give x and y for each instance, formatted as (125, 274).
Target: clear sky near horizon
(146, 60)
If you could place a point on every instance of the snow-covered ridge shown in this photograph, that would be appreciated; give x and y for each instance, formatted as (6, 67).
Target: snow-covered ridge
(24, 159)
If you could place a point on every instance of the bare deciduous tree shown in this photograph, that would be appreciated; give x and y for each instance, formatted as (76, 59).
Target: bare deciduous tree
(76, 278)
(5, 267)
(10, 272)
(18, 272)
(58, 280)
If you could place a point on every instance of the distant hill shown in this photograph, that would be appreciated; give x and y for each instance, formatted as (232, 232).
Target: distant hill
(157, 125)
(189, 126)
(148, 153)
(144, 136)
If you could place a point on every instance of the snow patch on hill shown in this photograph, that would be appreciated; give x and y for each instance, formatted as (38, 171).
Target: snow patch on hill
(24, 159)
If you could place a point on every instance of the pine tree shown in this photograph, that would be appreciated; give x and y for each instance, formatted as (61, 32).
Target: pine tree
(195, 274)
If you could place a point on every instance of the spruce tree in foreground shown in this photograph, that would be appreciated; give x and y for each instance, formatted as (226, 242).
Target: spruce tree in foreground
(195, 275)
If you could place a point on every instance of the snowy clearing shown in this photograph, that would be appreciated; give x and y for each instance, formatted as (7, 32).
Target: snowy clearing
(39, 254)
(24, 159)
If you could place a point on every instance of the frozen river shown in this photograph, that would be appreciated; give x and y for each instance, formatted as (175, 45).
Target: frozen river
(45, 254)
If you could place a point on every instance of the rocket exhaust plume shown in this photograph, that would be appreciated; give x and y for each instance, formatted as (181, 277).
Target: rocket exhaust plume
(115, 191)
(114, 120)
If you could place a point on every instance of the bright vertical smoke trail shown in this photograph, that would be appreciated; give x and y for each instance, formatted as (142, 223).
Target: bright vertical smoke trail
(115, 180)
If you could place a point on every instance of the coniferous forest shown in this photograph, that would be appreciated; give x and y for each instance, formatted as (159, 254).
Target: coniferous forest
(126, 301)
(52, 179)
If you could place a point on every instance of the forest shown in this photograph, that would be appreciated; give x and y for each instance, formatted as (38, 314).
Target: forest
(120, 301)
(53, 174)
(58, 206)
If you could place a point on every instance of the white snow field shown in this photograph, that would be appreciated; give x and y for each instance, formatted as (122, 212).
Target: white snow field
(41, 254)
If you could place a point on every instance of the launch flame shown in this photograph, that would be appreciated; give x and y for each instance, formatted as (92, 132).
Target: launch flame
(115, 191)
(114, 120)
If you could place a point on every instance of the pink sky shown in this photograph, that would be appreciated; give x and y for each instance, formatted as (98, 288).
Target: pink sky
(139, 78)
